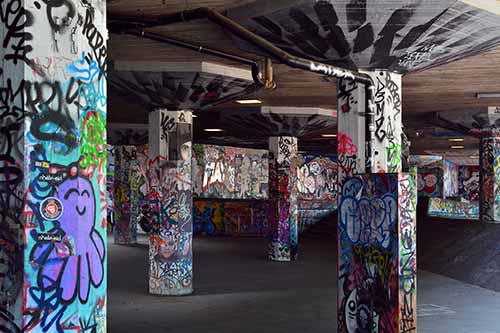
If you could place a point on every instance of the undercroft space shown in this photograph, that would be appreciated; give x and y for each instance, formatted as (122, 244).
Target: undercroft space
(237, 289)
(250, 166)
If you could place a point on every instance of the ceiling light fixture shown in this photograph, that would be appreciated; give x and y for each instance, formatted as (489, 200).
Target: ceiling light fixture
(213, 130)
(329, 135)
(457, 147)
(249, 101)
(474, 157)
(456, 139)
(488, 95)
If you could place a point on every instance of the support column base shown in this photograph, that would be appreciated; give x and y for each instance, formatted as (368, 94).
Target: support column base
(172, 292)
(280, 252)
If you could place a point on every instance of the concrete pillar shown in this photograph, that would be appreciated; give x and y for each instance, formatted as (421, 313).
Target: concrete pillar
(377, 214)
(489, 179)
(125, 229)
(283, 197)
(170, 199)
(53, 167)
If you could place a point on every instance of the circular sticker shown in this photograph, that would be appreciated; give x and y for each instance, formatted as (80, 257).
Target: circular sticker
(51, 209)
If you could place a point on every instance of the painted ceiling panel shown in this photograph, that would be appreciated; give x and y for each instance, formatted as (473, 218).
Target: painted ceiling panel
(397, 35)
(177, 90)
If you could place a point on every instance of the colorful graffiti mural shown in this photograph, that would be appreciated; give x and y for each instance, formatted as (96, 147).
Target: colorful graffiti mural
(489, 193)
(170, 202)
(377, 254)
(283, 198)
(450, 179)
(110, 185)
(230, 172)
(317, 188)
(468, 182)
(53, 167)
(453, 209)
(125, 225)
(231, 218)
(317, 178)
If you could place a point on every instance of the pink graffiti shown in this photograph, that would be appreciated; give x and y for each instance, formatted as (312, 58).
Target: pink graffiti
(345, 145)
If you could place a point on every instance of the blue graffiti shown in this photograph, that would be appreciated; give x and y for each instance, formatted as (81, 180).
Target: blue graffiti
(87, 73)
(367, 221)
(203, 221)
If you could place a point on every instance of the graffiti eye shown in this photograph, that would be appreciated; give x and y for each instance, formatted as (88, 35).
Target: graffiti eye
(352, 305)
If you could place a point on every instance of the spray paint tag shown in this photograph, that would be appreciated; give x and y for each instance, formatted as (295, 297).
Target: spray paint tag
(51, 209)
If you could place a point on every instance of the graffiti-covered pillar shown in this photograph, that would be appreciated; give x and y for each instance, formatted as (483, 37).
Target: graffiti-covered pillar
(170, 200)
(283, 197)
(53, 166)
(489, 179)
(377, 212)
(125, 209)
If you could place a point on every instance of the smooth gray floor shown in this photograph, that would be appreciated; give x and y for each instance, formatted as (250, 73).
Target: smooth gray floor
(239, 291)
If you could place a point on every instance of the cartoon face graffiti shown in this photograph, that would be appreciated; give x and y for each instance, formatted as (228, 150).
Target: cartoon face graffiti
(71, 266)
(358, 317)
(77, 197)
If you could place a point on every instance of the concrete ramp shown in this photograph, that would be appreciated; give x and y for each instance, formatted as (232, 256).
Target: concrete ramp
(468, 251)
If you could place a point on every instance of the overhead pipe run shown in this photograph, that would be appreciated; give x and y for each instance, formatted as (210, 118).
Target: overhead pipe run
(267, 47)
(247, 35)
(256, 75)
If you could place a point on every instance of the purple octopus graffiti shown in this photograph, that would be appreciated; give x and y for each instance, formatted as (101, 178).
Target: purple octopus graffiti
(53, 167)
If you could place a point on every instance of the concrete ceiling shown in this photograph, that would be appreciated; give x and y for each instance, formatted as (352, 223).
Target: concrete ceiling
(450, 87)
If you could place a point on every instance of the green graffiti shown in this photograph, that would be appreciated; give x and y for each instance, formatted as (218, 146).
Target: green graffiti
(394, 153)
(93, 142)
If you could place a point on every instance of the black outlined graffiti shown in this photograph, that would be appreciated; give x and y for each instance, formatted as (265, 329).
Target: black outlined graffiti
(15, 19)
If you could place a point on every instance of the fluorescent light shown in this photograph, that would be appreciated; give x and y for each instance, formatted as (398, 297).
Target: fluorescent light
(456, 140)
(327, 135)
(474, 157)
(249, 101)
(457, 147)
(213, 130)
(488, 95)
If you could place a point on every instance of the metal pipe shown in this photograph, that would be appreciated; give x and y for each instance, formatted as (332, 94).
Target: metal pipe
(267, 47)
(198, 48)
(369, 127)
(247, 35)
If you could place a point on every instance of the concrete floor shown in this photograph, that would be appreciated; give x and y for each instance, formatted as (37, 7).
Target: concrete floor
(239, 291)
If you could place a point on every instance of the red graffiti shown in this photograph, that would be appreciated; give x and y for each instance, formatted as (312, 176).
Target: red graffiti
(345, 145)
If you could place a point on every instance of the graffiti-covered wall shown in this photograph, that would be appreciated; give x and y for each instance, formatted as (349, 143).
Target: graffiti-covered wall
(230, 173)
(468, 182)
(453, 209)
(450, 179)
(317, 178)
(231, 218)
(317, 188)
(53, 158)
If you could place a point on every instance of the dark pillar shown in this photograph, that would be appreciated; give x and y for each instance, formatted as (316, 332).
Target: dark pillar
(283, 195)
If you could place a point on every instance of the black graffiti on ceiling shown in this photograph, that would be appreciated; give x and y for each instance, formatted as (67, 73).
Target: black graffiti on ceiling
(255, 123)
(192, 90)
(401, 36)
(127, 136)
